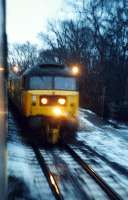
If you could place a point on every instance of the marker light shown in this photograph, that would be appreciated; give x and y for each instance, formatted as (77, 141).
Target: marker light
(16, 68)
(44, 101)
(75, 70)
(57, 111)
(61, 101)
(33, 100)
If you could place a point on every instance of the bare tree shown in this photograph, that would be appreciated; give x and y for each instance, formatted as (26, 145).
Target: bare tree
(25, 55)
(97, 39)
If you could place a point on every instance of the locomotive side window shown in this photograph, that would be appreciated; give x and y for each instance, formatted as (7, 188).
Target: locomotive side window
(40, 83)
(65, 83)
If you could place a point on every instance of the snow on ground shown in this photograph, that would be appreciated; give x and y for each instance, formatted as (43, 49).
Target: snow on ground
(107, 140)
(110, 141)
(118, 124)
(85, 124)
(26, 180)
(20, 171)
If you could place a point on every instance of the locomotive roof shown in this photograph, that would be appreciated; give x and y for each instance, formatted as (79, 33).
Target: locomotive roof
(48, 69)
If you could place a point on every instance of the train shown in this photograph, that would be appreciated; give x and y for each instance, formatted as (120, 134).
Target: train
(47, 95)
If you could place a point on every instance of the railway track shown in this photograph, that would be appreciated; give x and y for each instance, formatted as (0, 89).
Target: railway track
(108, 190)
(52, 181)
(86, 149)
(50, 177)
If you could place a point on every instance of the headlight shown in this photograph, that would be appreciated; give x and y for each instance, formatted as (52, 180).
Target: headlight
(57, 111)
(44, 101)
(75, 70)
(61, 101)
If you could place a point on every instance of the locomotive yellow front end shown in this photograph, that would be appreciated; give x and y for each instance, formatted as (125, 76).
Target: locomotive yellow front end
(49, 99)
(52, 110)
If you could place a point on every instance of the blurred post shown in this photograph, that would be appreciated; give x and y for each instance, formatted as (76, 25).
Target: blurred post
(3, 100)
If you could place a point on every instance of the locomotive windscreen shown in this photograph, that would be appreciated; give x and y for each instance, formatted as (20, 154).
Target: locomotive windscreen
(53, 83)
(40, 83)
(64, 83)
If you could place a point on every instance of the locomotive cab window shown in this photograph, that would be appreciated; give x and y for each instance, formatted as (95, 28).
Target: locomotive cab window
(40, 82)
(65, 83)
(51, 82)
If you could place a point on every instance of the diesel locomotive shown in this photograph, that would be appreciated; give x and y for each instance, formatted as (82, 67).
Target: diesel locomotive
(47, 95)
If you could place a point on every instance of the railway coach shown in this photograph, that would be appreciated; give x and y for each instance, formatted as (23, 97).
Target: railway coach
(47, 95)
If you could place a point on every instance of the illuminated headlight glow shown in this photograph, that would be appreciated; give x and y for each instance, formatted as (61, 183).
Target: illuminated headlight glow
(57, 111)
(75, 70)
(61, 101)
(44, 101)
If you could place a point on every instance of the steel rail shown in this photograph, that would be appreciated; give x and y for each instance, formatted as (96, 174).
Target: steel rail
(107, 189)
(124, 171)
(50, 177)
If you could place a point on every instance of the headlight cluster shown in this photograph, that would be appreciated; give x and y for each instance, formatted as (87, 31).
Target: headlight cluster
(52, 100)
(55, 101)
